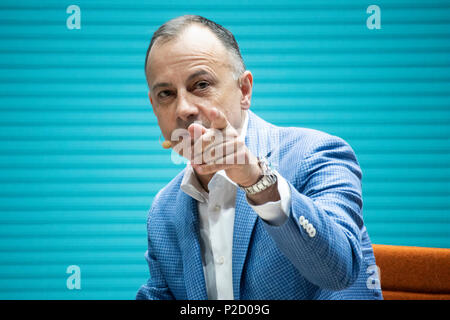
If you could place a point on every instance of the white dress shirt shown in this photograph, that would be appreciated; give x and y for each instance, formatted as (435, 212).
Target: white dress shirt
(216, 211)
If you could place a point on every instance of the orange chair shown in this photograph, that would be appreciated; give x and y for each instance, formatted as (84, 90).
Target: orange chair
(413, 273)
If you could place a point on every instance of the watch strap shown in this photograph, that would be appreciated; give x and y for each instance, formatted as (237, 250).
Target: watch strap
(268, 179)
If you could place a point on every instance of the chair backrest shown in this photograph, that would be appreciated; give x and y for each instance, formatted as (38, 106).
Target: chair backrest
(416, 273)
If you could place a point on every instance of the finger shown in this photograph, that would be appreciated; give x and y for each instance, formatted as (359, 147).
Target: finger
(211, 139)
(216, 117)
(212, 168)
(202, 143)
(227, 161)
(196, 130)
(196, 133)
(221, 153)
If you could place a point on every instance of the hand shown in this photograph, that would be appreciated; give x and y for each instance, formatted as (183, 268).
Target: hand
(218, 148)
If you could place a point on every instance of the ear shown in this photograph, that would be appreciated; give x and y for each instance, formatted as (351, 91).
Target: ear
(246, 85)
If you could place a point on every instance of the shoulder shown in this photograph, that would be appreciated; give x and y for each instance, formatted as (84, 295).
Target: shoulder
(308, 141)
(299, 140)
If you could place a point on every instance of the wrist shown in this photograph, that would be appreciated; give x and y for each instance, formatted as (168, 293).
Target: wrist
(266, 179)
(255, 174)
(270, 194)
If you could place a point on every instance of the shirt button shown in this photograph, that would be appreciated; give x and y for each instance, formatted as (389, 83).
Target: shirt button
(217, 208)
(221, 260)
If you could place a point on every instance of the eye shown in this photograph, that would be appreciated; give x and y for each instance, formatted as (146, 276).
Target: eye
(164, 94)
(202, 85)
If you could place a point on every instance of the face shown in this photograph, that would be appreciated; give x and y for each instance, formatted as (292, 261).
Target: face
(194, 70)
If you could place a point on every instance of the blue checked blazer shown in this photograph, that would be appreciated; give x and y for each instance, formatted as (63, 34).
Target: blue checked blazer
(273, 262)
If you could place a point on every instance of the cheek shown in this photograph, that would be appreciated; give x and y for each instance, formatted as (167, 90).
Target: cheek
(232, 95)
(231, 106)
(165, 123)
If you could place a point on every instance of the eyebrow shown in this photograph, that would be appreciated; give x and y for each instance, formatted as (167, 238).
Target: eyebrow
(196, 74)
(161, 84)
(192, 76)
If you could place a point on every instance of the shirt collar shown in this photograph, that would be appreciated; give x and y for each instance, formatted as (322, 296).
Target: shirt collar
(190, 184)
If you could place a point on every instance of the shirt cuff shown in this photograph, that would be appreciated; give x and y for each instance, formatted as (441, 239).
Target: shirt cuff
(275, 213)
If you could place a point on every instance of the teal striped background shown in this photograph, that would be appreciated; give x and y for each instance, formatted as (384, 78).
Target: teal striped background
(80, 161)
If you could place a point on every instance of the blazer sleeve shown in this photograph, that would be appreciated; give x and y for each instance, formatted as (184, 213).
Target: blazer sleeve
(156, 287)
(330, 201)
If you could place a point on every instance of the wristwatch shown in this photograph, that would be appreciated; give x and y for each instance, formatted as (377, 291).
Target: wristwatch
(268, 179)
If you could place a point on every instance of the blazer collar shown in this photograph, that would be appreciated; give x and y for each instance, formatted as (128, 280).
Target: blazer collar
(263, 139)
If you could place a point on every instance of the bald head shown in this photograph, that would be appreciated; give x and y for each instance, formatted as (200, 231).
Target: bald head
(175, 28)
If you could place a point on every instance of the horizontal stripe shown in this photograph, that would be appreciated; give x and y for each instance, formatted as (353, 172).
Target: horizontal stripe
(431, 59)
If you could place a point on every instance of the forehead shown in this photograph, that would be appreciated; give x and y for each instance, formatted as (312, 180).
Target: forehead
(195, 46)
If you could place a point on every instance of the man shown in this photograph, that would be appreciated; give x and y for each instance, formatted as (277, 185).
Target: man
(229, 226)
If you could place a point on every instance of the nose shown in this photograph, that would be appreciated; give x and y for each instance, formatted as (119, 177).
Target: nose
(186, 110)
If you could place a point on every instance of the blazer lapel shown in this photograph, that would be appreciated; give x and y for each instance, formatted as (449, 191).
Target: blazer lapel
(258, 142)
(186, 225)
(244, 222)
